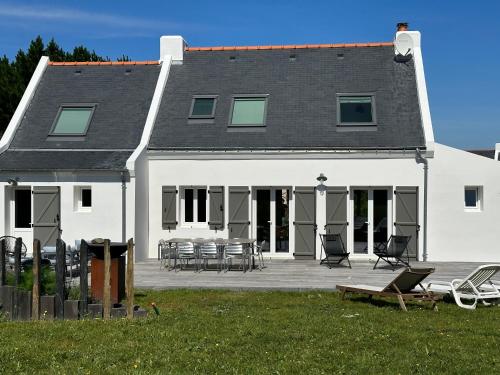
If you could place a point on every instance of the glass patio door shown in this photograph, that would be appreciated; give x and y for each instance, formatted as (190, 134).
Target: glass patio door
(370, 211)
(272, 219)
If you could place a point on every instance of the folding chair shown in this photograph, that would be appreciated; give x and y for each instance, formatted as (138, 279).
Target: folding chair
(392, 251)
(334, 249)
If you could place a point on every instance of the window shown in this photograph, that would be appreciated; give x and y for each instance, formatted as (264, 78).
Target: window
(83, 198)
(22, 208)
(203, 107)
(194, 205)
(356, 110)
(248, 111)
(472, 198)
(72, 120)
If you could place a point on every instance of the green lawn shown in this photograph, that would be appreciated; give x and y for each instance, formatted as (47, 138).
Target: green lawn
(261, 332)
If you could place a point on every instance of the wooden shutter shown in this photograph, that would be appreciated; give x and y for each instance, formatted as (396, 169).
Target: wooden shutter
(216, 215)
(305, 222)
(336, 211)
(46, 215)
(407, 216)
(169, 207)
(238, 223)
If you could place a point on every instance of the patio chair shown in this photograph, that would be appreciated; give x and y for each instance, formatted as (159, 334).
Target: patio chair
(403, 287)
(478, 286)
(393, 251)
(334, 249)
(257, 253)
(209, 250)
(167, 253)
(186, 252)
(234, 251)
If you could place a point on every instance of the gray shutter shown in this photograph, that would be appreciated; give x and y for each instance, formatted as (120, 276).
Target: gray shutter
(305, 222)
(169, 207)
(238, 224)
(46, 214)
(407, 216)
(336, 211)
(216, 216)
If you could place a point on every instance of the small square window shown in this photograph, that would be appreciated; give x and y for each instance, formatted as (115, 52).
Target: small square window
(83, 198)
(203, 107)
(248, 111)
(472, 197)
(72, 120)
(356, 110)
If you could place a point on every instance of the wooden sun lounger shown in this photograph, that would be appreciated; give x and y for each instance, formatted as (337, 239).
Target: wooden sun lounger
(402, 287)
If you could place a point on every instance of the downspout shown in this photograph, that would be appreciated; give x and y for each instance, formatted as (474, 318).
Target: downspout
(422, 159)
(124, 207)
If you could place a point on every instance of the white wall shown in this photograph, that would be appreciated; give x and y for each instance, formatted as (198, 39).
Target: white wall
(276, 171)
(141, 208)
(105, 218)
(454, 233)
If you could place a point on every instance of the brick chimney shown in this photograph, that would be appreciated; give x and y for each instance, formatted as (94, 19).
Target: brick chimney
(402, 26)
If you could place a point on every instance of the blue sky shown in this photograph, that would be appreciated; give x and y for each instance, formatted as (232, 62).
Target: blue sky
(460, 40)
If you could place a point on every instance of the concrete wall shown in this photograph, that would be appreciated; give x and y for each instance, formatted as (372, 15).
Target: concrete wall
(141, 208)
(104, 220)
(285, 171)
(457, 234)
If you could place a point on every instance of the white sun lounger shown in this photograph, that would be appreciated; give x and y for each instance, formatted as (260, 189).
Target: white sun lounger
(478, 286)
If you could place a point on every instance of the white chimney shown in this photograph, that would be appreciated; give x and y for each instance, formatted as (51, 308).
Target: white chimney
(174, 46)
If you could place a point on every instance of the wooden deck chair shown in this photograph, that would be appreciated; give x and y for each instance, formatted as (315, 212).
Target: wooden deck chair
(402, 287)
(334, 249)
(393, 251)
(478, 286)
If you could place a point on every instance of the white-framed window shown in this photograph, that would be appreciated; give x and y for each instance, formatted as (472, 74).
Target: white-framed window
(473, 198)
(194, 207)
(83, 198)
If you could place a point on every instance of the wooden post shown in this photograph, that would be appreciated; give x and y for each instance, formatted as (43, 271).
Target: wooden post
(106, 296)
(17, 261)
(37, 277)
(3, 270)
(130, 278)
(60, 277)
(84, 277)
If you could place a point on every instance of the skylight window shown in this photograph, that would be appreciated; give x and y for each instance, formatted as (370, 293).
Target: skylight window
(248, 111)
(203, 107)
(72, 120)
(356, 109)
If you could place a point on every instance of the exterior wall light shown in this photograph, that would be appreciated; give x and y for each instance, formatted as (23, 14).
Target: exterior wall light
(321, 187)
(13, 181)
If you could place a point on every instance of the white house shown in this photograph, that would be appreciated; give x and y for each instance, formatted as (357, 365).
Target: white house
(230, 142)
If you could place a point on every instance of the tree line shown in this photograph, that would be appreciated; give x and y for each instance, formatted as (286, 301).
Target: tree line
(15, 75)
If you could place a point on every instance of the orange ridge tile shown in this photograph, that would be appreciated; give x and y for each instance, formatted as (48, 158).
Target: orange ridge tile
(290, 46)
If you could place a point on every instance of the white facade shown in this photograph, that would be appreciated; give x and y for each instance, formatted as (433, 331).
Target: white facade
(103, 219)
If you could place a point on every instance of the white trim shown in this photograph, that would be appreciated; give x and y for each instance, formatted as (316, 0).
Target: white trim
(16, 119)
(282, 154)
(152, 113)
(421, 87)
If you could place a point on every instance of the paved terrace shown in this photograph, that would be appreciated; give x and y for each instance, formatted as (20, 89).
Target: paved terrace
(287, 275)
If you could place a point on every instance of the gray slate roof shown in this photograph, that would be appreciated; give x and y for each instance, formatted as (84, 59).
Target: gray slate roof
(490, 154)
(42, 160)
(301, 111)
(122, 102)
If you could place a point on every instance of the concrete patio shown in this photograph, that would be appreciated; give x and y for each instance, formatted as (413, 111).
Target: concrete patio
(287, 275)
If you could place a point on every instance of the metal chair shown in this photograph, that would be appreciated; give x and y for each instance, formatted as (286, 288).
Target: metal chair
(257, 253)
(186, 251)
(232, 251)
(167, 253)
(208, 250)
(334, 249)
(392, 251)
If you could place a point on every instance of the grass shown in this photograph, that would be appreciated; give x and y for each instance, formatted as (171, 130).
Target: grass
(262, 333)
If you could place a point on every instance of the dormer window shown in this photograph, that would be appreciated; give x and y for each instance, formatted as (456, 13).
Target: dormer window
(356, 109)
(248, 110)
(203, 107)
(73, 120)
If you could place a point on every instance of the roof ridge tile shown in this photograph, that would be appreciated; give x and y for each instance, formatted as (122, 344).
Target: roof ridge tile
(290, 46)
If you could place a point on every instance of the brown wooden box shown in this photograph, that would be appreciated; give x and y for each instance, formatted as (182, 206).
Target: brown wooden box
(117, 276)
